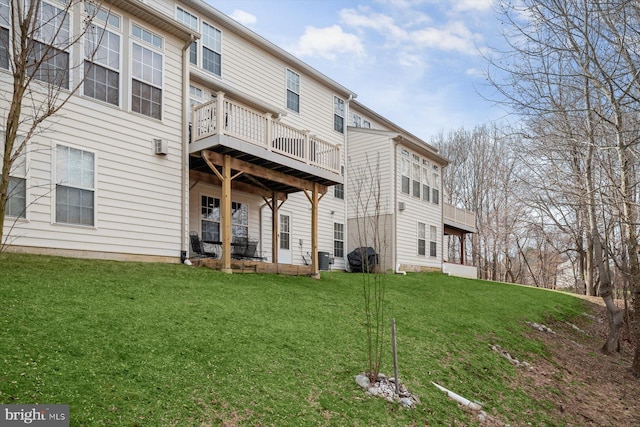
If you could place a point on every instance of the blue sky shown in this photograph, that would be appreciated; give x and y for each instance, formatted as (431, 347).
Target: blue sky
(416, 62)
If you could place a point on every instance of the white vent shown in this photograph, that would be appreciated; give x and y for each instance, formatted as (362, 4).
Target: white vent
(160, 147)
(401, 206)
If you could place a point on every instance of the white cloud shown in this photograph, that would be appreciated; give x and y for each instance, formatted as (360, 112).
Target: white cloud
(472, 5)
(383, 24)
(454, 37)
(245, 18)
(328, 43)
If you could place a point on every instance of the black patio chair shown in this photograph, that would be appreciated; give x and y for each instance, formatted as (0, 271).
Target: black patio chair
(198, 248)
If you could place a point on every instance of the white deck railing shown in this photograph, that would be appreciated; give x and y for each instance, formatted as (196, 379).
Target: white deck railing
(251, 126)
(459, 215)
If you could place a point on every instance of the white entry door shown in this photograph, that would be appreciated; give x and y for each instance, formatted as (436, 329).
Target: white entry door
(284, 238)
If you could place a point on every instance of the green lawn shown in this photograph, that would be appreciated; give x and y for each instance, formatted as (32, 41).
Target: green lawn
(132, 344)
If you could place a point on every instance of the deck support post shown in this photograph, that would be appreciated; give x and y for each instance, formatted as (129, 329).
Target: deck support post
(225, 215)
(315, 272)
(274, 228)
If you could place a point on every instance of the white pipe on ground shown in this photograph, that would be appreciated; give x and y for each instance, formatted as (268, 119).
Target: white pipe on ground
(466, 402)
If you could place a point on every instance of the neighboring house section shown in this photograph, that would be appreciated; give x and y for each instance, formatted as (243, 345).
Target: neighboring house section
(394, 193)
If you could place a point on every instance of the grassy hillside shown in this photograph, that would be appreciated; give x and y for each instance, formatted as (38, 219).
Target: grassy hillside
(153, 344)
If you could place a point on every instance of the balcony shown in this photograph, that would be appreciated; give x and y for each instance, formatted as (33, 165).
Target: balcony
(223, 117)
(459, 219)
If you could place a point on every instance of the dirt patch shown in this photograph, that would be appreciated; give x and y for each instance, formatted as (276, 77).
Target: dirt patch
(587, 387)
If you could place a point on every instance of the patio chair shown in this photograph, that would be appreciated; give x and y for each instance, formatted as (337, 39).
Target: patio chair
(198, 248)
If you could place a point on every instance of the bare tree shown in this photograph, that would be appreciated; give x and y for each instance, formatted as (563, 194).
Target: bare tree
(36, 43)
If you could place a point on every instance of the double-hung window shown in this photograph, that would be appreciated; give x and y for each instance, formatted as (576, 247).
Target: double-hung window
(338, 114)
(146, 73)
(422, 238)
(210, 219)
(417, 175)
(433, 244)
(405, 172)
(190, 21)
(211, 49)
(357, 120)
(338, 189)
(436, 187)
(338, 239)
(102, 56)
(75, 189)
(5, 25)
(48, 56)
(17, 192)
(293, 91)
(426, 188)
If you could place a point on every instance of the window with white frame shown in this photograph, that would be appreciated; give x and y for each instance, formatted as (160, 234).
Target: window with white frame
(433, 244)
(210, 219)
(422, 238)
(190, 21)
(293, 91)
(48, 56)
(17, 201)
(366, 124)
(417, 179)
(211, 49)
(338, 114)
(285, 232)
(405, 173)
(239, 221)
(436, 188)
(146, 73)
(426, 187)
(356, 120)
(338, 189)
(75, 189)
(338, 239)
(102, 56)
(5, 25)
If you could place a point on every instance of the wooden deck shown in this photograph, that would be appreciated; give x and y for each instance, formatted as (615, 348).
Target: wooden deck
(248, 266)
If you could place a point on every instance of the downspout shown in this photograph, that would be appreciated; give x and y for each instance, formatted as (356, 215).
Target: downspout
(345, 187)
(394, 255)
(184, 204)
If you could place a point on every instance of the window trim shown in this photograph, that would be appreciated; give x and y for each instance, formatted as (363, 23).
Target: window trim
(421, 234)
(342, 102)
(134, 40)
(117, 31)
(289, 71)
(54, 173)
(336, 240)
(23, 175)
(202, 47)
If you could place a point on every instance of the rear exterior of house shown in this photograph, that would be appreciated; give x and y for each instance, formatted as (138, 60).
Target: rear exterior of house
(191, 123)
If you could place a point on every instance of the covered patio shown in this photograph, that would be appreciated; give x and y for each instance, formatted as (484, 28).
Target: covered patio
(238, 148)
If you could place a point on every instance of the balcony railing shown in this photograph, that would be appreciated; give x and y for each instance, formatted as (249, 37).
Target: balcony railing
(254, 127)
(459, 216)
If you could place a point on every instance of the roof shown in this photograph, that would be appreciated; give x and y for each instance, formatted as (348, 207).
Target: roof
(232, 25)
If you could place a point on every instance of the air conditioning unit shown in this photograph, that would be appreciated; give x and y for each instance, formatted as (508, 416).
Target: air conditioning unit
(161, 147)
(401, 206)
